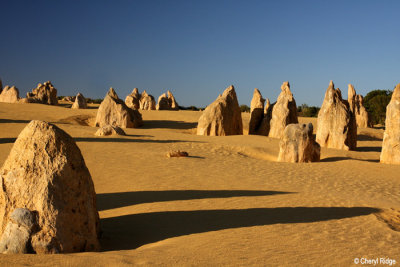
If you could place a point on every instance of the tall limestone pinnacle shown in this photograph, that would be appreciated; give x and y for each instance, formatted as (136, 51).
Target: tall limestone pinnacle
(284, 112)
(391, 138)
(334, 123)
(222, 117)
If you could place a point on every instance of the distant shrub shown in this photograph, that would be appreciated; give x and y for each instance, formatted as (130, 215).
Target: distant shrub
(244, 108)
(94, 101)
(60, 97)
(194, 108)
(305, 111)
(375, 102)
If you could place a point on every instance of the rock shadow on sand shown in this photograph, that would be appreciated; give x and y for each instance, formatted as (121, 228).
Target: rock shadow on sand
(132, 231)
(125, 140)
(7, 140)
(164, 124)
(116, 200)
(334, 159)
(14, 121)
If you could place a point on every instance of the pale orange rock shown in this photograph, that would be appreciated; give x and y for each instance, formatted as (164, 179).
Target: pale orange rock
(69, 98)
(172, 101)
(80, 102)
(109, 130)
(147, 101)
(362, 117)
(132, 100)
(391, 138)
(222, 117)
(357, 108)
(351, 97)
(267, 105)
(177, 153)
(113, 111)
(264, 127)
(46, 174)
(351, 101)
(284, 112)
(162, 103)
(256, 111)
(334, 122)
(9, 95)
(167, 101)
(44, 94)
(17, 233)
(297, 144)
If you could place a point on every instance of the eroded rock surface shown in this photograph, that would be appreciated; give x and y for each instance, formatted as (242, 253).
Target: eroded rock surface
(284, 112)
(391, 138)
(113, 111)
(298, 144)
(46, 174)
(9, 95)
(80, 102)
(44, 94)
(222, 117)
(334, 122)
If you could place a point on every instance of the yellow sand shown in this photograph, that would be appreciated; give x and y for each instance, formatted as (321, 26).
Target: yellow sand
(229, 203)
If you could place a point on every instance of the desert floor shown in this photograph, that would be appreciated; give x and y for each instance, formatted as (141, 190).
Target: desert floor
(229, 203)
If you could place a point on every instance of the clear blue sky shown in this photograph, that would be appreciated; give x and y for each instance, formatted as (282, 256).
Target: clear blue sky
(198, 48)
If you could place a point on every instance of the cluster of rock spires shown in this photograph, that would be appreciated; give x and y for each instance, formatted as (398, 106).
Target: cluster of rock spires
(113, 111)
(44, 93)
(144, 101)
(47, 197)
(167, 102)
(271, 120)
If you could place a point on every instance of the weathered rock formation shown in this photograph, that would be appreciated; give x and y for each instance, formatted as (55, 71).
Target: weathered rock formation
(109, 130)
(132, 100)
(17, 233)
(162, 103)
(46, 175)
(284, 112)
(264, 127)
(256, 112)
(80, 102)
(334, 122)
(297, 144)
(351, 102)
(9, 95)
(172, 101)
(69, 98)
(113, 111)
(167, 102)
(222, 117)
(147, 101)
(351, 97)
(362, 117)
(391, 138)
(44, 94)
(177, 154)
(267, 105)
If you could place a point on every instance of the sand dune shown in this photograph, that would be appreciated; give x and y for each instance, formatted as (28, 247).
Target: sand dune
(229, 202)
